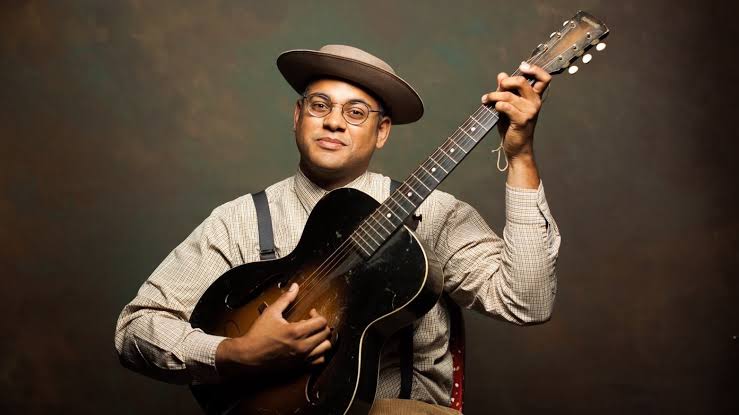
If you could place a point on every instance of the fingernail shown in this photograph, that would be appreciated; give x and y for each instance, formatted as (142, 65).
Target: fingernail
(525, 66)
(484, 98)
(293, 287)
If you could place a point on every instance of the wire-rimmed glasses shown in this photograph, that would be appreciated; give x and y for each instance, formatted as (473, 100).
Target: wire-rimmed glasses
(354, 112)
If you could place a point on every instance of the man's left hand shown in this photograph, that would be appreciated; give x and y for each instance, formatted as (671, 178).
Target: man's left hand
(520, 102)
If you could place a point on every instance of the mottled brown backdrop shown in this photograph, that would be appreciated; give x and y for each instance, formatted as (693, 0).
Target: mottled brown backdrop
(124, 123)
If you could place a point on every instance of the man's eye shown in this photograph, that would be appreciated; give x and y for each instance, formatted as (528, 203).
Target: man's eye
(356, 112)
(319, 105)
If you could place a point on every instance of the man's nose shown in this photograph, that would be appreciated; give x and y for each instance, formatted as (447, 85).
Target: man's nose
(334, 120)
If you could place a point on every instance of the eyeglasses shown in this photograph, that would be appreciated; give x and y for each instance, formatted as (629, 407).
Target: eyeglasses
(354, 112)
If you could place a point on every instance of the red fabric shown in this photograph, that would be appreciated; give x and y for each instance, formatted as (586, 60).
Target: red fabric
(456, 344)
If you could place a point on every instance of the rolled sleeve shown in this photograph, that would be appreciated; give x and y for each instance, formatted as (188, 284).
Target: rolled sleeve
(513, 277)
(153, 334)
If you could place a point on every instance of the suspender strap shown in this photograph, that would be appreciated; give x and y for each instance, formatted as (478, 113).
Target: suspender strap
(264, 225)
(406, 336)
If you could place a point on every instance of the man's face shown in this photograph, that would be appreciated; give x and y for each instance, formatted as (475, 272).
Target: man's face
(331, 149)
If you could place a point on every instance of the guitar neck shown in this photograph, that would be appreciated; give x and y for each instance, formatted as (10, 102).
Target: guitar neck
(391, 214)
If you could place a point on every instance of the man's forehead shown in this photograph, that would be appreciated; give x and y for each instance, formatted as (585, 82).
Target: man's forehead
(339, 90)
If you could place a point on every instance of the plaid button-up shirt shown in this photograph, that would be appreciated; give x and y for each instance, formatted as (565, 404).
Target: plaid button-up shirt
(511, 278)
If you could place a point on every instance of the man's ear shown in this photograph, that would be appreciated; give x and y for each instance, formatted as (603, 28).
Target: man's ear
(383, 131)
(296, 114)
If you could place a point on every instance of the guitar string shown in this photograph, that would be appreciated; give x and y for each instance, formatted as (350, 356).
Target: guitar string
(314, 280)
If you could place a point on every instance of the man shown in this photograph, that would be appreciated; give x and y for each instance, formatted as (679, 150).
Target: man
(349, 101)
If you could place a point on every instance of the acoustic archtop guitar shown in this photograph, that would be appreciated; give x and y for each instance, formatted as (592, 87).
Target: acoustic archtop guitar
(361, 268)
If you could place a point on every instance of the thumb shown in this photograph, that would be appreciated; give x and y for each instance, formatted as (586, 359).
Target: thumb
(285, 299)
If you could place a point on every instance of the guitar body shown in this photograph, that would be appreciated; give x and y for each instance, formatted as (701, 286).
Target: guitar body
(365, 300)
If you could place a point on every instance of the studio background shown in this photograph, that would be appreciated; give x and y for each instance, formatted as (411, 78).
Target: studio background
(124, 123)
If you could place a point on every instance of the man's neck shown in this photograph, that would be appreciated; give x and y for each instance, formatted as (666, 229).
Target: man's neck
(328, 181)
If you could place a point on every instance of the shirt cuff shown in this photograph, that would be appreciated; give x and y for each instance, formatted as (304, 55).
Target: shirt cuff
(525, 206)
(200, 356)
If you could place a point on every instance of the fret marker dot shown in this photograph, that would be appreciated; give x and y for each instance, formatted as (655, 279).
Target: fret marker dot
(472, 129)
(389, 215)
(410, 194)
(451, 150)
(433, 169)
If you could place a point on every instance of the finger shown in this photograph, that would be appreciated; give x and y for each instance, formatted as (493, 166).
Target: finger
(520, 86)
(501, 77)
(307, 328)
(514, 115)
(542, 77)
(319, 350)
(311, 342)
(500, 96)
(319, 361)
(285, 299)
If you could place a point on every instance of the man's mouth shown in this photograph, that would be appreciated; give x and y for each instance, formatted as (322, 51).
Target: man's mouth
(330, 143)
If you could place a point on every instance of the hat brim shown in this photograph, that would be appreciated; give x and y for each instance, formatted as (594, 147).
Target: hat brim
(402, 102)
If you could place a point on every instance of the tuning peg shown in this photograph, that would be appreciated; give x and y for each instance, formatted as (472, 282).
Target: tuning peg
(565, 23)
(587, 58)
(572, 69)
(553, 34)
(600, 47)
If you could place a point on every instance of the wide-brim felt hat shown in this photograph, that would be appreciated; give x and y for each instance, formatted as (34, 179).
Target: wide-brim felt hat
(301, 66)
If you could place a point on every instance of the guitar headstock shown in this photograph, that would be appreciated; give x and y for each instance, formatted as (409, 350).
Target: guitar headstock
(569, 43)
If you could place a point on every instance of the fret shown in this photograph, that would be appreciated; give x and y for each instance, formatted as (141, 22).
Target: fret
(448, 156)
(384, 217)
(471, 129)
(490, 111)
(356, 243)
(429, 173)
(420, 181)
(381, 226)
(421, 194)
(363, 239)
(401, 206)
(406, 196)
(460, 147)
(389, 213)
(478, 123)
(437, 163)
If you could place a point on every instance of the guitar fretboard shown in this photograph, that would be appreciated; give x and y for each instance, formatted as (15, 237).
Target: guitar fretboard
(390, 215)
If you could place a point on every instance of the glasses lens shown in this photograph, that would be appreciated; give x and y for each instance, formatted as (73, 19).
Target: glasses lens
(318, 106)
(355, 112)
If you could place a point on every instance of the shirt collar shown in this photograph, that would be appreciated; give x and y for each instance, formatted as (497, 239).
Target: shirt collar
(310, 193)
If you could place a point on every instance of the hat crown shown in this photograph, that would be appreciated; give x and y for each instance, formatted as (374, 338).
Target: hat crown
(357, 54)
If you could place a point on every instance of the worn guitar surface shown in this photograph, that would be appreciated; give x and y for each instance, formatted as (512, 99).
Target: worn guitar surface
(358, 266)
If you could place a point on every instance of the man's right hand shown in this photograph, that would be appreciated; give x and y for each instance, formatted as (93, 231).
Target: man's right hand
(272, 343)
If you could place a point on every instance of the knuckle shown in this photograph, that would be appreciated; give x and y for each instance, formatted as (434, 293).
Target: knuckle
(292, 331)
(302, 348)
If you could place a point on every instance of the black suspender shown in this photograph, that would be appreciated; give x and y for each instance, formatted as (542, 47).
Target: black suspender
(267, 251)
(264, 225)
